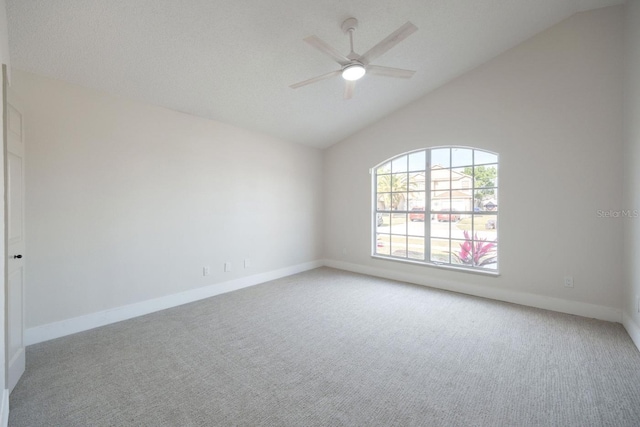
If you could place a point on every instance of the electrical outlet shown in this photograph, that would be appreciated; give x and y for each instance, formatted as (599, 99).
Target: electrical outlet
(568, 281)
(227, 266)
(206, 271)
(247, 263)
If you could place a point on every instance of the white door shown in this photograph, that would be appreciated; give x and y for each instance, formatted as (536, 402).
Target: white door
(15, 249)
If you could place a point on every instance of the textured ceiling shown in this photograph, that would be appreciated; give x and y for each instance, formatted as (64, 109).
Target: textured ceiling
(233, 61)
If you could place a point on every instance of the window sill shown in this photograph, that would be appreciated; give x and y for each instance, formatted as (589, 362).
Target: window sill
(491, 273)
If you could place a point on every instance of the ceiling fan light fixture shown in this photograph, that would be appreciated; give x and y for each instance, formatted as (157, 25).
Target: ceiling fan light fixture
(354, 66)
(353, 72)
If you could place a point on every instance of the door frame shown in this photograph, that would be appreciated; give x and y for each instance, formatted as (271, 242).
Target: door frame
(4, 403)
(5, 246)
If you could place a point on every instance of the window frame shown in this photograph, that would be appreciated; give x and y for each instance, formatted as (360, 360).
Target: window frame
(429, 212)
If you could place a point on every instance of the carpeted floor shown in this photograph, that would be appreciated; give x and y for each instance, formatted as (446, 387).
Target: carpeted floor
(330, 348)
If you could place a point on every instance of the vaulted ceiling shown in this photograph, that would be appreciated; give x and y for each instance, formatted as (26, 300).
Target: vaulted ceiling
(233, 61)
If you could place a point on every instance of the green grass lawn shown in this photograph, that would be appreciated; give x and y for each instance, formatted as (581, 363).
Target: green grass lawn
(480, 223)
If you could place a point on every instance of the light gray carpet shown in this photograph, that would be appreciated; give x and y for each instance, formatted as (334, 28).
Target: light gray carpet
(330, 348)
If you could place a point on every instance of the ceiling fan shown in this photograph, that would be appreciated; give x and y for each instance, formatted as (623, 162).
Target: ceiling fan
(354, 66)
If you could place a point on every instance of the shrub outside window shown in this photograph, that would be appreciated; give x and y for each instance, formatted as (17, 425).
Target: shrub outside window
(438, 206)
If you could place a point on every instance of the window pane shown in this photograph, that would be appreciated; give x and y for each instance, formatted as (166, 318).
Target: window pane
(385, 168)
(400, 201)
(440, 178)
(482, 225)
(384, 201)
(440, 229)
(399, 246)
(487, 199)
(417, 181)
(387, 183)
(416, 248)
(440, 201)
(399, 188)
(417, 161)
(461, 157)
(440, 250)
(383, 222)
(383, 183)
(484, 253)
(485, 227)
(465, 225)
(383, 244)
(485, 176)
(461, 178)
(417, 213)
(440, 157)
(473, 253)
(461, 192)
(399, 182)
(491, 262)
(399, 164)
(416, 200)
(461, 252)
(459, 227)
(399, 223)
(416, 224)
(482, 157)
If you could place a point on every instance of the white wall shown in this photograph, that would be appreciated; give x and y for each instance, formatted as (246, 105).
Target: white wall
(552, 109)
(128, 202)
(632, 169)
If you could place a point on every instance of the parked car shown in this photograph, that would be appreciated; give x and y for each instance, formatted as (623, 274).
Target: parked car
(415, 216)
(445, 217)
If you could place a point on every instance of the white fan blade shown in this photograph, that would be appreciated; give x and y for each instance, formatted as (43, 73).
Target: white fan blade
(390, 72)
(316, 79)
(349, 88)
(328, 50)
(393, 39)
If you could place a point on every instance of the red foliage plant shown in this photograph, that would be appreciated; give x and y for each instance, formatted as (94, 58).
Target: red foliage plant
(476, 252)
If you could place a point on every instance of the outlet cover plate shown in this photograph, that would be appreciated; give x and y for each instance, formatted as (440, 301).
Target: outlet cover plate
(568, 282)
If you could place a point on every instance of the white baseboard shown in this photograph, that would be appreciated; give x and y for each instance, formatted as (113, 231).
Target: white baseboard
(632, 328)
(4, 408)
(83, 323)
(532, 300)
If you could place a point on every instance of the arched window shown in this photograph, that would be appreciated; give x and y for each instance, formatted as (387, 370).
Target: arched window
(438, 206)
